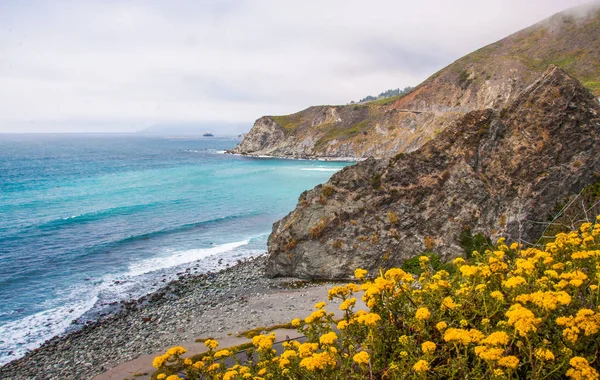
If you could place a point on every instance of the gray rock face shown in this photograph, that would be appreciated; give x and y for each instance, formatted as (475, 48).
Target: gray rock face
(495, 172)
(263, 135)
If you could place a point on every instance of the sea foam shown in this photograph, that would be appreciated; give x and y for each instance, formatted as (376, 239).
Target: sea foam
(321, 169)
(180, 258)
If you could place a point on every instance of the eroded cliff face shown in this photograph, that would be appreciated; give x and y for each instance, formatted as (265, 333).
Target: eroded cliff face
(264, 136)
(490, 77)
(497, 172)
(359, 131)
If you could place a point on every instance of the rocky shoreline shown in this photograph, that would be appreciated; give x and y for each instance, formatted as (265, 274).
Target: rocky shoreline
(299, 158)
(194, 306)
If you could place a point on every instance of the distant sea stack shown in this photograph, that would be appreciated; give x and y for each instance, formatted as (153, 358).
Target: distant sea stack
(490, 77)
(492, 171)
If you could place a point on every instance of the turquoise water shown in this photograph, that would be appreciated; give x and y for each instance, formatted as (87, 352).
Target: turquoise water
(88, 220)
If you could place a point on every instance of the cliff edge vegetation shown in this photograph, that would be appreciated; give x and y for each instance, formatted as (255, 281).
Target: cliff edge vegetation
(509, 312)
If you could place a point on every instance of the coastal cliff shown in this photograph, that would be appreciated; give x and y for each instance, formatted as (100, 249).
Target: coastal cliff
(490, 77)
(494, 172)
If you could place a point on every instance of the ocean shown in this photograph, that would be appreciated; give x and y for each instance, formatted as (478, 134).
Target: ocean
(87, 220)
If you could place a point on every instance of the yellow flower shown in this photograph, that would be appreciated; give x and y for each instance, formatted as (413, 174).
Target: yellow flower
(315, 316)
(306, 349)
(339, 291)
(159, 361)
(422, 314)
(199, 364)
(361, 358)
(581, 369)
(263, 342)
(211, 343)
(449, 303)
(522, 319)
(370, 319)
(347, 304)
(585, 321)
(230, 375)
(524, 266)
(509, 362)
(187, 361)
(476, 335)
(513, 282)
(498, 338)
(546, 300)
(497, 295)
(544, 354)
(173, 377)
(574, 278)
(458, 335)
(440, 326)
(489, 353)
(222, 354)
(404, 340)
(320, 305)
(177, 350)
(318, 361)
(464, 323)
(468, 270)
(428, 347)
(342, 324)
(360, 273)
(421, 366)
(328, 338)
(296, 322)
(399, 275)
(403, 354)
(287, 354)
(459, 261)
(213, 367)
(161, 376)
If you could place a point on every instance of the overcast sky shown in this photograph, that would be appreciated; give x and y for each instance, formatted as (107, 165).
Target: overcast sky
(120, 66)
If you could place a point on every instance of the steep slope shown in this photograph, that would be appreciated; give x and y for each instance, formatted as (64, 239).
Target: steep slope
(493, 172)
(487, 78)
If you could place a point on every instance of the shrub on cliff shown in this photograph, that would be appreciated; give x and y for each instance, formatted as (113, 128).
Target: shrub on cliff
(508, 313)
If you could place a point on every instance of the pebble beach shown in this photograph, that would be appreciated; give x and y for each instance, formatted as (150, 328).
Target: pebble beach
(215, 305)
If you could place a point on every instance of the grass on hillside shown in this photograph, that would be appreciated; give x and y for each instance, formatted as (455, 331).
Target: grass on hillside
(340, 133)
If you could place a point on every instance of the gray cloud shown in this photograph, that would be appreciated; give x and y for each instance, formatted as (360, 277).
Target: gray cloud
(389, 55)
(124, 65)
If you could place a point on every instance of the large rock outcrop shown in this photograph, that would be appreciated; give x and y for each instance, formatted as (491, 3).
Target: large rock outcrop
(490, 77)
(494, 172)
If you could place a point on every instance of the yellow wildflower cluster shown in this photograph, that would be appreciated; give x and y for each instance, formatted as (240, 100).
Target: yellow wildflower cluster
(263, 342)
(172, 354)
(510, 312)
(361, 358)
